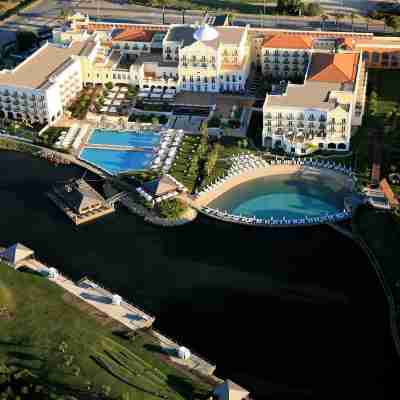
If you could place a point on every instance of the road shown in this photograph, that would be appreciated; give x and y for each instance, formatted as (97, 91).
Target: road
(45, 14)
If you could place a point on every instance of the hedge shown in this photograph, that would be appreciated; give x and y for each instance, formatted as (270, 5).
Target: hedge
(12, 11)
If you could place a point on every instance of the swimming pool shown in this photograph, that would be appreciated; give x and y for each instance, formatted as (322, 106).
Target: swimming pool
(286, 195)
(130, 138)
(117, 161)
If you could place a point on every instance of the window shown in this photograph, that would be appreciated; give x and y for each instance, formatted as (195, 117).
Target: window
(375, 58)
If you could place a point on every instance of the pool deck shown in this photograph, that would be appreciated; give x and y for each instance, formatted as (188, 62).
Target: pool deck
(206, 198)
(119, 147)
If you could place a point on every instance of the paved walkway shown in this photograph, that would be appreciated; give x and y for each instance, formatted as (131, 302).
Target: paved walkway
(125, 313)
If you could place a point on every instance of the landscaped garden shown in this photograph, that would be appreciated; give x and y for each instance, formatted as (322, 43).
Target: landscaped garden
(80, 106)
(186, 164)
(50, 136)
(152, 118)
(68, 348)
(382, 116)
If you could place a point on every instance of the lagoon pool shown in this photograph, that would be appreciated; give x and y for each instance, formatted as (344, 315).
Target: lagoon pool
(130, 138)
(287, 196)
(117, 161)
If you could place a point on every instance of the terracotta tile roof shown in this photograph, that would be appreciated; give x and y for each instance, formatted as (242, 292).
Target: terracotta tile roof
(338, 68)
(388, 192)
(288, 42)
(132, 35)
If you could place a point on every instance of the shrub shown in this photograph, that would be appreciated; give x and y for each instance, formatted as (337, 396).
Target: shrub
(214, 122)
(163, 119)
(109, 85)
(172, 208)
(313, 9)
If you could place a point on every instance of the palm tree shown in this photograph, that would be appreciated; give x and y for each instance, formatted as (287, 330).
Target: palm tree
(324, 18)
(338, 17)
(353, 16)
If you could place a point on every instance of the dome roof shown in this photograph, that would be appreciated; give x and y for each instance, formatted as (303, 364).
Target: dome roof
(205, 33)
(184, 353)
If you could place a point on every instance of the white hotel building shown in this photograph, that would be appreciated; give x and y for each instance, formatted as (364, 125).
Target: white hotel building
(321, 111)
(39, 88)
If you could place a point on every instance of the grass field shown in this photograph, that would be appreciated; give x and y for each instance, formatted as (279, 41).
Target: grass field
(69, 346)
(387, 85)
(382, 234)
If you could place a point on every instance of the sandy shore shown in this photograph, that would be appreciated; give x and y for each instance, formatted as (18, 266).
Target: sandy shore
(206, 198)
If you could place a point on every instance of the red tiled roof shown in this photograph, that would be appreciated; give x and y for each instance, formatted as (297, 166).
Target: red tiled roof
(288, 42)
(133, 35)
(339, 68)
(388, 192)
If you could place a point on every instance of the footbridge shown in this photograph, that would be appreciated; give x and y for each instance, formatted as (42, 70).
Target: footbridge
(116, 197)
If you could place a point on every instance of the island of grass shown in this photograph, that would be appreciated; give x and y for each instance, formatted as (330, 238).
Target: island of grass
(71, 349)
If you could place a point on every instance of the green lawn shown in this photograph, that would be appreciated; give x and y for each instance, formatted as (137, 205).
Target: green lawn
(181, 163)
(381, 232)
(44, 316)
(387, 85)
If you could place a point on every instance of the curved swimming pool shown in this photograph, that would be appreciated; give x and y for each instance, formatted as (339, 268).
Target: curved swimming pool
(285, 195)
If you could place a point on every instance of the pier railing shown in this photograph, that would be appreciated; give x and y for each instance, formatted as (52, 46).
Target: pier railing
(175, 341)
(109, 293)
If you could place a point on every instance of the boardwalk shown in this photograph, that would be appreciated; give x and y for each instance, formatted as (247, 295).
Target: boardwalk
(125, 313)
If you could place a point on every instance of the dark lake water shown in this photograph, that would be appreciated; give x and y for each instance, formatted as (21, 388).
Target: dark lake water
(286, 313)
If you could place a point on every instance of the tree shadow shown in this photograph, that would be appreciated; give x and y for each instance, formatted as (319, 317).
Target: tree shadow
(23, 356)
(162, 350)
(183, 386)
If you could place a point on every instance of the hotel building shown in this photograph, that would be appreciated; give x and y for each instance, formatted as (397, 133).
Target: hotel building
(319, 100)
(321, 111)
(42, 86)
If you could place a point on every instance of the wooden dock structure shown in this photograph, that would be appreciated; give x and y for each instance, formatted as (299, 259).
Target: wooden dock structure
(80, 202)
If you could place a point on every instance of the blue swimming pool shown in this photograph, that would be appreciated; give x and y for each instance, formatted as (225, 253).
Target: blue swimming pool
(130, 138)
(287, 196)
(117, 161)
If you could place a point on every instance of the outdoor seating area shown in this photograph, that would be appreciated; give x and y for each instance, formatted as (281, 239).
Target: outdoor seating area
(157, 94)
(167, 150)
(72, 138)
(116, 101)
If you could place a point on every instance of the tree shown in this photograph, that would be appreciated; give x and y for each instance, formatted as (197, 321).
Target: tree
(313, 9)
(338, 17)
(204, 131)
(172, 208)
(393, 21)
(212, 159)
(109, 85)
(324, 18)
(353, 16)
(25, 40)
(65, 13)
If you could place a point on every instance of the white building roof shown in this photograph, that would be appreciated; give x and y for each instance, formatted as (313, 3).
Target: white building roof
(35, 70)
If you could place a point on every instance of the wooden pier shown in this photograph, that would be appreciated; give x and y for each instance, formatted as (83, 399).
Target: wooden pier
(80, 202)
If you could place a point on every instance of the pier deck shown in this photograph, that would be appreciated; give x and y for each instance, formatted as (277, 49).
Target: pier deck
(76, 218)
